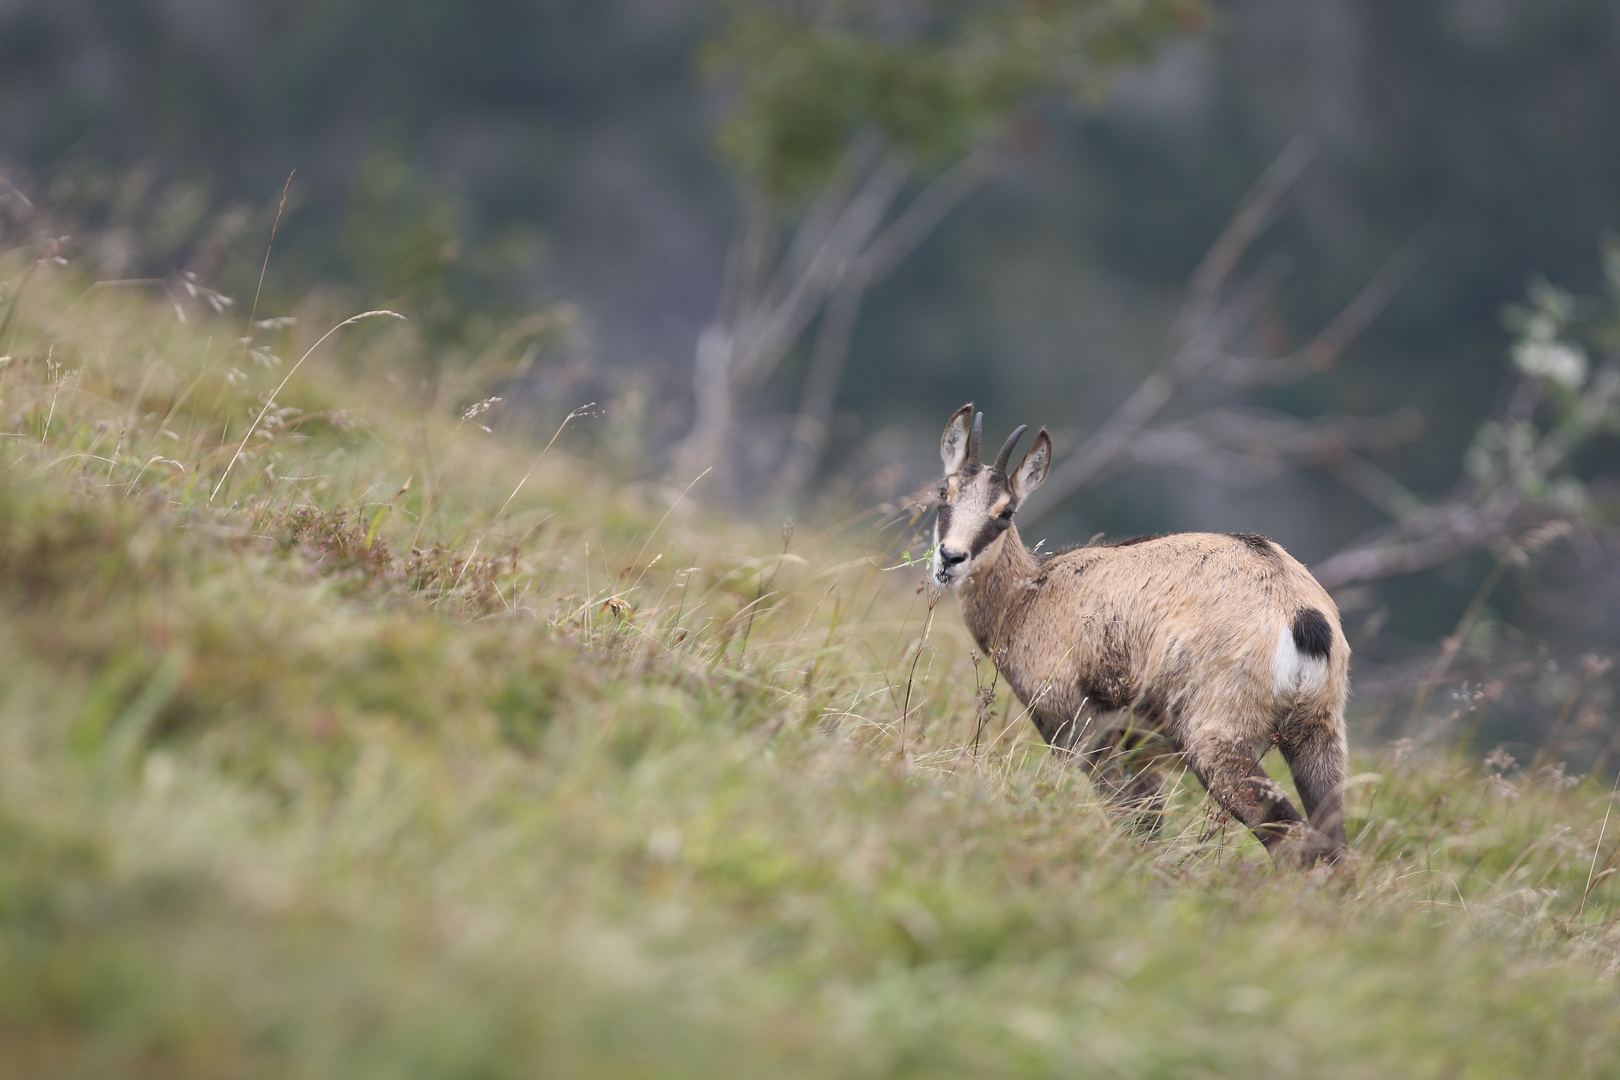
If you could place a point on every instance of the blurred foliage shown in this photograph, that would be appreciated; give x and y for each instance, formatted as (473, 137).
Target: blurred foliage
(401, 235)
(431, 140)
(933, 76)
(1554, 332)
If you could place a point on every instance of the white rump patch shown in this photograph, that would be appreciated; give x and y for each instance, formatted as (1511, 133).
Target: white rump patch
(1296, 672)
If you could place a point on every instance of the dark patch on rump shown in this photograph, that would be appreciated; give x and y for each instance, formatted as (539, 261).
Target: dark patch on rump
(1257, 544)
(1312, 634)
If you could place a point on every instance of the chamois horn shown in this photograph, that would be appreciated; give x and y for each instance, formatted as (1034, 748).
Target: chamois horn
(1007, 447)
(975, 438)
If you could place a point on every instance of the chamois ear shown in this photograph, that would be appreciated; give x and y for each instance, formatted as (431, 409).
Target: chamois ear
(1033, 469)
(953, 445)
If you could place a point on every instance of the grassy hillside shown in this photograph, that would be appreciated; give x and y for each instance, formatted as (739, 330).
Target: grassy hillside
(340, 737)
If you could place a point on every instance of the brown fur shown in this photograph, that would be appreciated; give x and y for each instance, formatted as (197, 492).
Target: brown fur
(1181, 645)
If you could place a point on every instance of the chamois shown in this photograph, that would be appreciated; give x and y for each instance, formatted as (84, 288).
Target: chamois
(1206, 646)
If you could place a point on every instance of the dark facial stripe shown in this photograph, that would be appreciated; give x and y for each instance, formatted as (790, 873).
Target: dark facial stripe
(987, 532)
(944, 519)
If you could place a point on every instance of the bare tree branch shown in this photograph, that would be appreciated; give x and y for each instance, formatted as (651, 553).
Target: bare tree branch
(809, 435)
(1433, 536)
(1375, 296)
(862, 155)
(942, 195)
(1374, 484)
(766, 336)
(1485, 511)
(765, 308)
(1245, 446)
(838, 251)
(1113, 439)
(1201, 333)
(1202, 337)
(1253, 215)
(1321, 352)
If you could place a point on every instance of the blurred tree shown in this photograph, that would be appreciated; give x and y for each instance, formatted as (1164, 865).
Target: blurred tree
(404, 236)
(1520, 471)
(428, 136)
(833, 108)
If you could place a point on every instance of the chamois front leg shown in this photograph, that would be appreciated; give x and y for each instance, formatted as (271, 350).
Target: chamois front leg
(1232, 775)
(1122, 756)
(1125, 761)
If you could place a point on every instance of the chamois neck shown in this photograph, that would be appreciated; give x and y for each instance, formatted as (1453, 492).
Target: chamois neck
(991, 595)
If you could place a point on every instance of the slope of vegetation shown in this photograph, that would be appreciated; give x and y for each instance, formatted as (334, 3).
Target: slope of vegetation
(340, 737)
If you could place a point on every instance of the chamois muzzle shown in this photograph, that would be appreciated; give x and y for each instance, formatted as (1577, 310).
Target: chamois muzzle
(950, 560)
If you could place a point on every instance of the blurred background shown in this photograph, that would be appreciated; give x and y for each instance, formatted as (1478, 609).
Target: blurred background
(1334, 271)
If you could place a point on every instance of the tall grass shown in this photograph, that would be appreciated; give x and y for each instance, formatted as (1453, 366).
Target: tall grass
(421, 750)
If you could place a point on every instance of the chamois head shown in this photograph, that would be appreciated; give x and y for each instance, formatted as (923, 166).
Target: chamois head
(976, 504)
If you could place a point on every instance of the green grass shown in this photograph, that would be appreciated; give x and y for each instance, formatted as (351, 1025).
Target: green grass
(517, 771)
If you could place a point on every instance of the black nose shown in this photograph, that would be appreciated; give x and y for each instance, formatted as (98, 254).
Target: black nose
(952, 558)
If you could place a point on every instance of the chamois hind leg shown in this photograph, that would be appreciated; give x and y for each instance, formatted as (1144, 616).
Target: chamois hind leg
(1312, 742)
(1232, 775)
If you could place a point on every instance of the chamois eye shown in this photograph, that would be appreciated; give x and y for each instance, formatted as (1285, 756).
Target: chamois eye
(944, 489)
(1005, 515)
